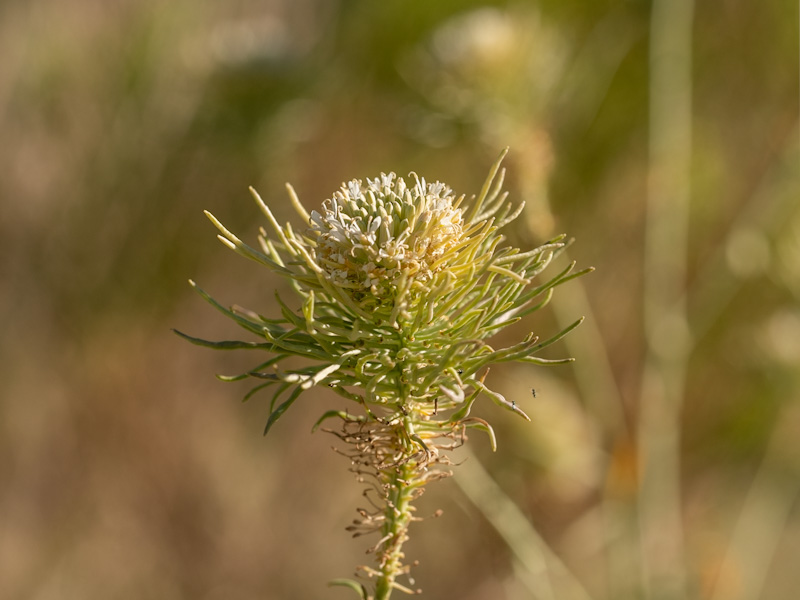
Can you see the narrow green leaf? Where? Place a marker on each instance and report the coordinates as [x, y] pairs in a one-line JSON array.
[[278, 412], [231, 378], [238, 246], [256, 389], [480, 424], [353, 585], [546, 362], [558, 336], [255, 371], [342, 414], [289, 315], [259, 375], [308, 311], [498, 325], [580, 273], [500, 400], [476, 208], [226, 345], [246, 323], [281, 389], [551, 283], [463, 412], [544, 302]]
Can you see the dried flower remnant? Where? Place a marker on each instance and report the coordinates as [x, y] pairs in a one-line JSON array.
[[400, 284]]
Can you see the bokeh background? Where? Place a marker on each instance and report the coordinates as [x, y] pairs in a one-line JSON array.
[[665, 463]]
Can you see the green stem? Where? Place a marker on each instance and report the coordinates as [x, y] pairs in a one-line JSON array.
[[398, 516], [669, 339]]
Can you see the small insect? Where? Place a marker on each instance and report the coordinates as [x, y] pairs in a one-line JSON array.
[[513, 405], [533, 391], [460, 371]]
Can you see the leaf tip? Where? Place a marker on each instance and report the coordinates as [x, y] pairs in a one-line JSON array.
[[256, 196], [353, 585]]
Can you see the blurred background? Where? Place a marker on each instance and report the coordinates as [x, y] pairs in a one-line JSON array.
[[664, 463]]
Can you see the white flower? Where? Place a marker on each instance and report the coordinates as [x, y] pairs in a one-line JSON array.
[[367, 237]]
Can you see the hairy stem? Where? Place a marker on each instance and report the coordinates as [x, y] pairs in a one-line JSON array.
[[400, 493]]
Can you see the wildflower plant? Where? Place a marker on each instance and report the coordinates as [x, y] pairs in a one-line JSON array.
[[400, 285]]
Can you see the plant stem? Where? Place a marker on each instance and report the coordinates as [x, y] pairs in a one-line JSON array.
[[665, 319], [398, 511]]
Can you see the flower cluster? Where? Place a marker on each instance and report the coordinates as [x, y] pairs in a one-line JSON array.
[[401, 286], [366, 239]]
